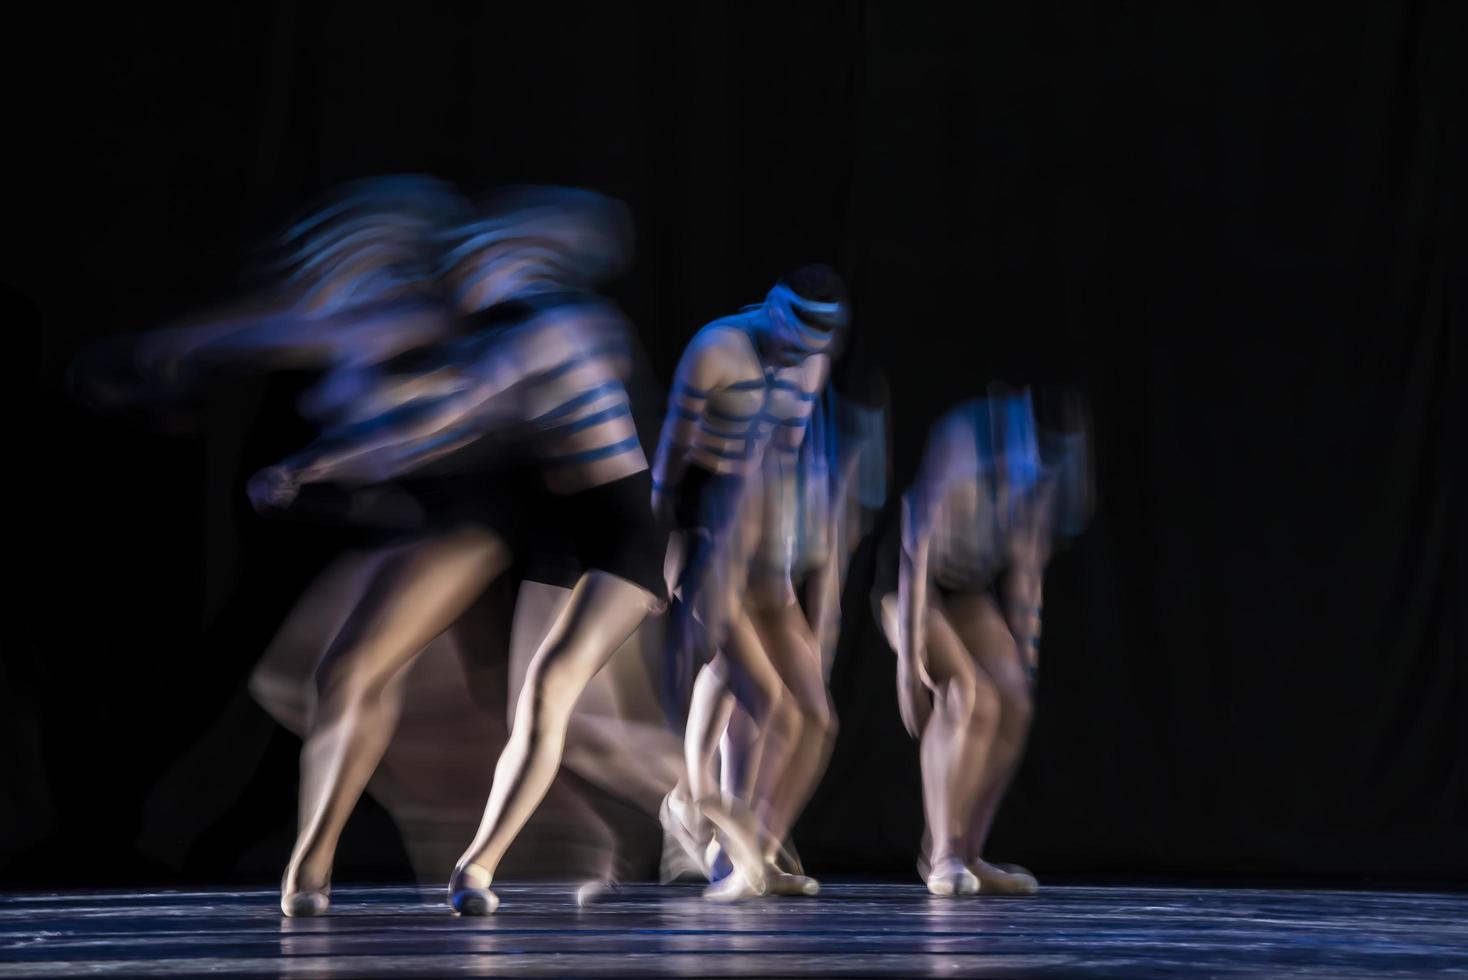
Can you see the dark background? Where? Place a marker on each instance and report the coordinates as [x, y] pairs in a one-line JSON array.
[[1236, 229]]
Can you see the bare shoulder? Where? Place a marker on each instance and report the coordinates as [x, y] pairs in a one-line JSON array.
[[719, 353], [814, 372], [726, 336], [597, 322]]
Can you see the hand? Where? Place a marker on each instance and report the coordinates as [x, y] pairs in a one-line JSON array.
[[914, 702], [274, 488]]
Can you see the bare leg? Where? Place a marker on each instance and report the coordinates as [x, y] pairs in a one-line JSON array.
[[709, 713], [953, 747], [600, 616], [763, 697], [784, 792], [414, 596], [281, 682], [741, 739], [712, 612], [681, 812], [979, 621], [615, 741], [633, 760], [751, 681]]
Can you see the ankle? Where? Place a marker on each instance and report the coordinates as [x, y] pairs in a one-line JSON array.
[[472, 875], [306, 876], [944, 851]]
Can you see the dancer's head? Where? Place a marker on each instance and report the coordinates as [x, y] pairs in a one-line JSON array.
[[366, 240], [535, 239], [807, 313]]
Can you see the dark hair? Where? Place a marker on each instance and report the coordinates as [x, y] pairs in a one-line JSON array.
[[818, 283]]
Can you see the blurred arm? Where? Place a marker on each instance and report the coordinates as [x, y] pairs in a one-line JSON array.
[[271, 335], [701, 371], [408, 437]]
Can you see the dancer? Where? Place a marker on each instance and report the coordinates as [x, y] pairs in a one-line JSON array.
[[738, 415], [542, 373], [958, 592], [812, 516], [353, 290], [408, 385]]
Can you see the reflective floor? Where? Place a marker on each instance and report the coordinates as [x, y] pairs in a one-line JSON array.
[[852, 929]]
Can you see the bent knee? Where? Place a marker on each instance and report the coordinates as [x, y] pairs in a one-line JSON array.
[[345, 679], [957, 696], [551, 691]]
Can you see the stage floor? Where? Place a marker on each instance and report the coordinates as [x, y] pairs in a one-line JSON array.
[[852, 929]]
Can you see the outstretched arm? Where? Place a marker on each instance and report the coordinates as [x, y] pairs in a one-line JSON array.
[[400, 440], [273, 335]]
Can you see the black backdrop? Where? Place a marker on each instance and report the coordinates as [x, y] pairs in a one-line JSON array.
[[1234, 229]]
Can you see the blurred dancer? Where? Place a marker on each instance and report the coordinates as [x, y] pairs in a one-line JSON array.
[[540, 378], [443, 404], [352, 289], [958, 590], [350, 285], [737, 418], [812, 514]]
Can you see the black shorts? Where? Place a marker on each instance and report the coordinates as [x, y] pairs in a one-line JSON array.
[[388, 514], [612, 529], [705, 503], [499, 501], [705, 500]]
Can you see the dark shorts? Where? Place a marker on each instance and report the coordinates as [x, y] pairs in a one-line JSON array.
[[611, 528], [499, 501], [554, 539], [704, 500], [388, 514], [704, 505]]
